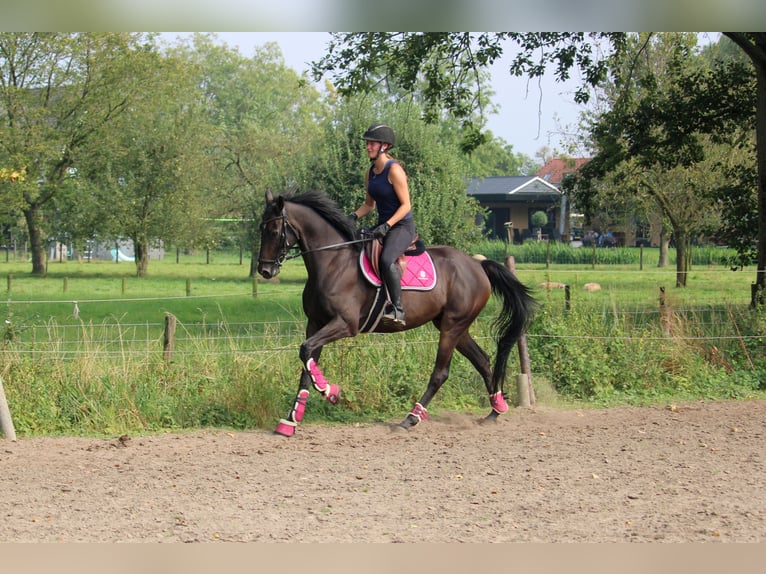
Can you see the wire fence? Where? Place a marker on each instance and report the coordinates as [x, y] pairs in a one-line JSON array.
[[137, 340], [707, 318]]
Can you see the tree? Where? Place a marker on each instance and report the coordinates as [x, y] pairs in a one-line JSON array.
[[430, 154], [495, 157], [152, 173], [655, 134], [753, 44], [445, 69], [58, 91], [267, 120], [445, 63]]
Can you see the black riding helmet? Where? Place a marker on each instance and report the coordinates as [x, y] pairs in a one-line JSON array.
[[380, 133]]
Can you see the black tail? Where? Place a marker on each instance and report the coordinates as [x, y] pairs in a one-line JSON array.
[[509, 326]]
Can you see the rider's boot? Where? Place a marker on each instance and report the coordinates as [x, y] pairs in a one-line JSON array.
[[392, 277]]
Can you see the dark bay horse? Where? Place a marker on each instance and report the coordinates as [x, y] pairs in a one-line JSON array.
[[337, 299]]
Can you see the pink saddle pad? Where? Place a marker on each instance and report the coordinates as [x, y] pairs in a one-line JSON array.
[[420, 274]]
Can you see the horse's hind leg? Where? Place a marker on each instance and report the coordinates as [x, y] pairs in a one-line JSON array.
[[471, 350], [438, 376]]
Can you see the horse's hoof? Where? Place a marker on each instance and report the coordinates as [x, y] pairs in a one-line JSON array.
[[285, 428], [491, 418], [409, 422]]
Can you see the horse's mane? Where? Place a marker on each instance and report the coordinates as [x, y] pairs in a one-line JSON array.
[[325, 207]]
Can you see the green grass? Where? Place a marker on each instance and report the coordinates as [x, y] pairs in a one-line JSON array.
[[235, 362]]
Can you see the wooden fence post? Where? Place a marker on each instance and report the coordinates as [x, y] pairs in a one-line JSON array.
[[510, 263], [10, 282], [6, 423], [169, 340], [523, 386], [188, 286], [665, 314]]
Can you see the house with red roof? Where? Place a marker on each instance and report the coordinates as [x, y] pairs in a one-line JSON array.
[[511, 201]]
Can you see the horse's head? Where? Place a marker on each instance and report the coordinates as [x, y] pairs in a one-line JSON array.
[[277, 237]]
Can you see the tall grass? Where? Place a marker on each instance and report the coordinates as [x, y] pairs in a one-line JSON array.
[[235, 362]]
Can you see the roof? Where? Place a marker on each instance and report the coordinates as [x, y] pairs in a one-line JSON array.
[[555, 170], [522, 187]]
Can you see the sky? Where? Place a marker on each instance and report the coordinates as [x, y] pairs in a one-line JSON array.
[[531, 114]]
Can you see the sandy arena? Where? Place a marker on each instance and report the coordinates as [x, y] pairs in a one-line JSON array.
[[691, 473]]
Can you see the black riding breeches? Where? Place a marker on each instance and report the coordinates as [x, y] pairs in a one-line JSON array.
[[396, 242]]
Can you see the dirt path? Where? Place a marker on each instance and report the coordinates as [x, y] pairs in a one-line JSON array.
[[692, 473]]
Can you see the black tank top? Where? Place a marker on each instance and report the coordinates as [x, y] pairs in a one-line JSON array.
[[381, 190]]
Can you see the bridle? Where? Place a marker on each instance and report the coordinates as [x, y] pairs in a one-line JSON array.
[[286, 245]]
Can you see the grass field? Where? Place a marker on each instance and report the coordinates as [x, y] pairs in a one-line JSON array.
[[83, 347]]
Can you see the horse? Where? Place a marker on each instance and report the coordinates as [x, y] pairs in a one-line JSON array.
[[340, 302]]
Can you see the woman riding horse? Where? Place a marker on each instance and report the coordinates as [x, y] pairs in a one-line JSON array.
[[339, 301], [387, 190]]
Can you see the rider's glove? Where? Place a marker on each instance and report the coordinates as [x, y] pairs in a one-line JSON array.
[[380, 231]]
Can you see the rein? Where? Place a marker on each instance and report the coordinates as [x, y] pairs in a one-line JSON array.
[[326, 247]]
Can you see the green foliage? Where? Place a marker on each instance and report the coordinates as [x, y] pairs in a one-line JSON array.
[[447, 69], [235, 361], [539, 219], [60, 91], [606, 356], [436, 172], [555, 253], [670, 135]]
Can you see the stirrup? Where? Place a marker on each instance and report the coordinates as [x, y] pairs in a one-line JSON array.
[[395, 317]]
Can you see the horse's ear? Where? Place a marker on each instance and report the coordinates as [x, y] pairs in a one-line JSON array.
[[269, 196]]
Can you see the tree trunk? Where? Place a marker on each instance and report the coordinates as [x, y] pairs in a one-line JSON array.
[[682, 257], [253, 263], [141, 247], [760, 144], [36, 242], [664, 247]]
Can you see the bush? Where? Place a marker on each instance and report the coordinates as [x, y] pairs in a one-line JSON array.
[[539, 219]]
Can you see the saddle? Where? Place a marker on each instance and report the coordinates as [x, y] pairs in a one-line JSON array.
[[418, 271]]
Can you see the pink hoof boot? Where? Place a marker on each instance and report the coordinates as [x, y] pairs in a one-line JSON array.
[[333, 394], [419, 412], [317, 376], [330, 392], [497, 402], [296, 415], [285, 428]]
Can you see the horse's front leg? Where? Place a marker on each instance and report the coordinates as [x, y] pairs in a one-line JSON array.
[[311, 374], [287, 426]]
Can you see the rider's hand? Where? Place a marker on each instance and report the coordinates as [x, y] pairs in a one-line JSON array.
[[380, 231]]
